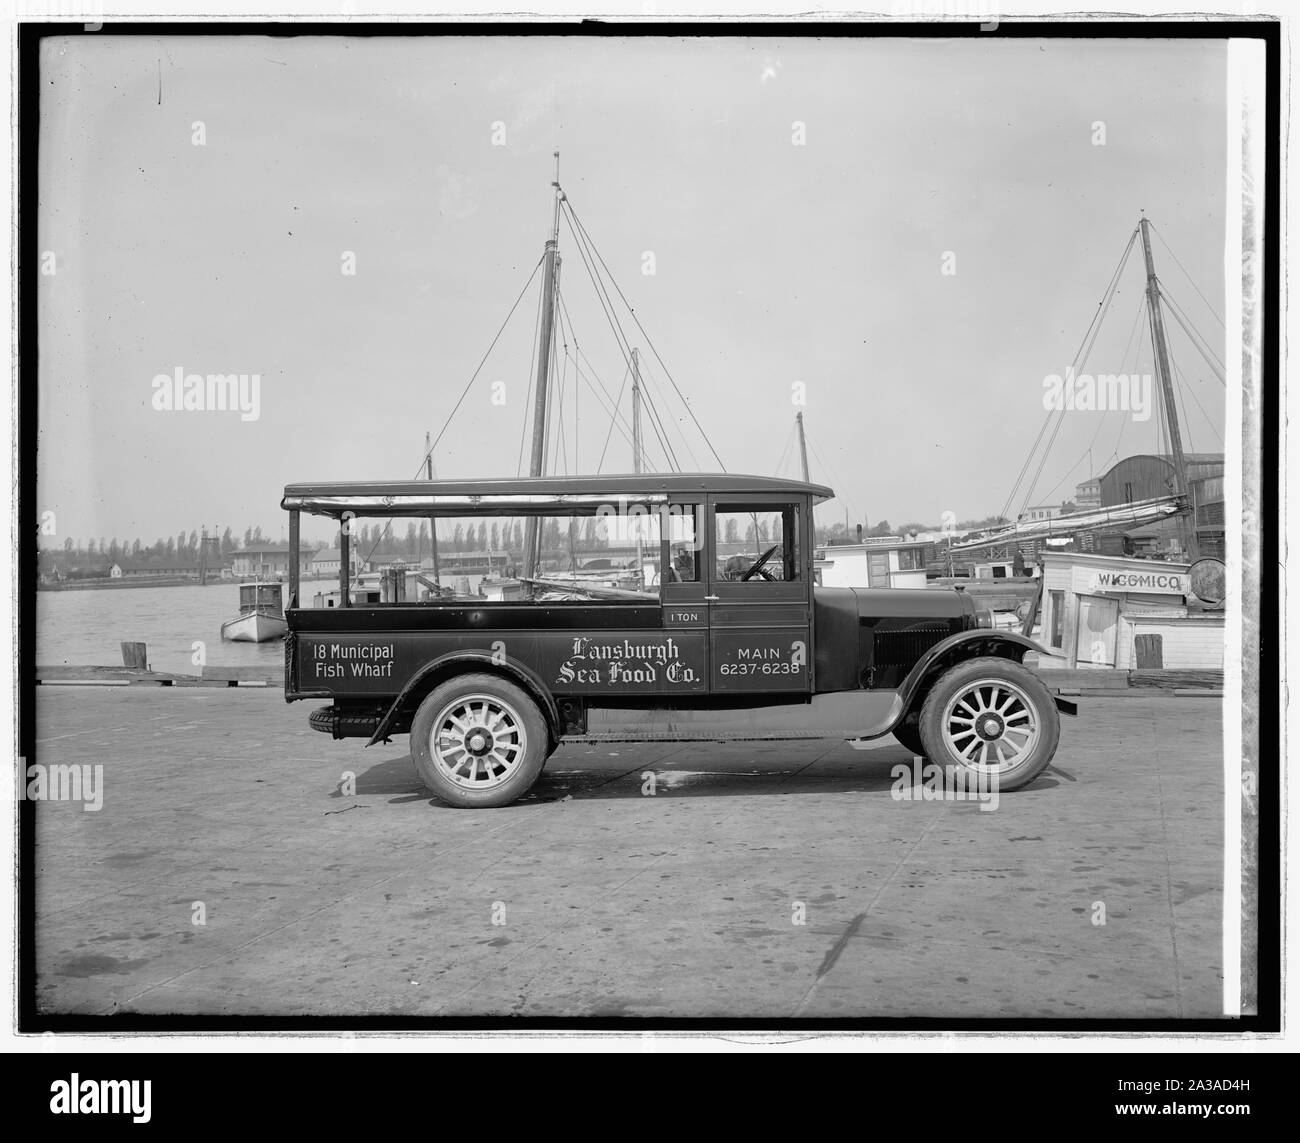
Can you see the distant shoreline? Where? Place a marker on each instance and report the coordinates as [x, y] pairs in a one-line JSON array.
[[156, 581]]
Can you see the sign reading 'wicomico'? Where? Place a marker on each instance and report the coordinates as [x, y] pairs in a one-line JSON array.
[[1152, 582]]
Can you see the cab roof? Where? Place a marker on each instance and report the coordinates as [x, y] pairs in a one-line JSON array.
[[522, 494]]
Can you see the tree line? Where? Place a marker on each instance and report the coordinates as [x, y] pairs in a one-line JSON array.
[[182, 548]]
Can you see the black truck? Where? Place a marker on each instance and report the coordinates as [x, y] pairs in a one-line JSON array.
[[679, 598]]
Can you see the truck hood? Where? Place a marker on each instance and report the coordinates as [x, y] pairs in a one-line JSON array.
[[912, 603]]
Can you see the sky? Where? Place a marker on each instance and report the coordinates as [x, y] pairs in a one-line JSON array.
[[911, 235]]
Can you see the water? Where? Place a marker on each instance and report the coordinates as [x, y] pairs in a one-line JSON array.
[[87, 627]]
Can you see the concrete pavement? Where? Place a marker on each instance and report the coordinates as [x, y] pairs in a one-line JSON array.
[[230, 871]]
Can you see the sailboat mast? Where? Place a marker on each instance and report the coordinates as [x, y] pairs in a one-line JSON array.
[[636, 454], [803, 447], [1167, 388], [433, 520], [636, 411], [550, 272]]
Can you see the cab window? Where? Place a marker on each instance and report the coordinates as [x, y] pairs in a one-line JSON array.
[[679, 526], [756, 543]]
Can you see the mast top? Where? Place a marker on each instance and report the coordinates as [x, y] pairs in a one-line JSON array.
[[559, 197]]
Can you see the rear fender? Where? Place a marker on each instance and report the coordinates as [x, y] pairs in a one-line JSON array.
[[459, 662]]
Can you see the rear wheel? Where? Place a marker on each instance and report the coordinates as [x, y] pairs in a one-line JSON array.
[[993, 719], [478, 740]]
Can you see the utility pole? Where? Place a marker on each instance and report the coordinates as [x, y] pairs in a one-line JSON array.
[[803, 452], [1188, 528], [550, 275], [433, 519]]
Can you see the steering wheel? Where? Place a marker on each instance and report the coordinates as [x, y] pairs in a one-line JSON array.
[[756, 568]]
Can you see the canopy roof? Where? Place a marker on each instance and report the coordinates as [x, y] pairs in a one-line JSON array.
[[524, 495]]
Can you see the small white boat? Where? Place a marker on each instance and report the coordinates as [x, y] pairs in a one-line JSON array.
[[261, 615]]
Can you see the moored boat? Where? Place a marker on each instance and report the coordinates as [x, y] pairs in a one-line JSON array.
[[261, 615]]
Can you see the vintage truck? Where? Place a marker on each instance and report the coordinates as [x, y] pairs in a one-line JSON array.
[[704, 612]]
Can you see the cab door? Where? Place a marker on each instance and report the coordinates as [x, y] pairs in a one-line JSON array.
[[759, 598], [679, 574]]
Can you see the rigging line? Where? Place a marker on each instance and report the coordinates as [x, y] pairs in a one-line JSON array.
[[464, 393], [1067, 473], [648, 374], [627, 361], [1199, 342], [1024, 467], [835, 476], [1185, 391], [656, 422], [476, 372], [1103, 307], [789, 440], [606, 304], [656, 427], [1192, 393], [1210, 357], [1123, 421], [1177, 387], [528, 394], [602, 394], [1033, 449], [650, 342], [557, 450], [1162, 440], [598, 387], [1132, 334], [1101, 421], [617, 404], [603, 399], [564, 341], [1187, 276], [1190, 325]]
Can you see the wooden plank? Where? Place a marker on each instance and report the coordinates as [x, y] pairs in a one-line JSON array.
[[1076, 679], [135, 655], [235, 676], [76, 673], [1149, 650], [1186, 678]]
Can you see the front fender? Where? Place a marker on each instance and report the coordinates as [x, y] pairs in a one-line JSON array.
[[970, 644], [495, 663], [975, 643]]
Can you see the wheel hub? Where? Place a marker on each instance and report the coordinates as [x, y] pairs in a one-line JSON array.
[[478, 741], [989, 727]]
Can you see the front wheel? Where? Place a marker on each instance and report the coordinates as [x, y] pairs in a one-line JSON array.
[[992, 718], [478, 740]]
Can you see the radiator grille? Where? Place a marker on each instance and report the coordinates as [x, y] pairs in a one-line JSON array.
[[903, 648]]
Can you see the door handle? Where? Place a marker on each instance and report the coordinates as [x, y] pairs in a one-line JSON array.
[[712, 598]]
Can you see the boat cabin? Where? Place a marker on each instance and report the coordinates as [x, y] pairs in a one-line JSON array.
[[261, 597]]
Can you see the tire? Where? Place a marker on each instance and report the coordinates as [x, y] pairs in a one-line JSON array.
[[479, 741], [1013, 744]]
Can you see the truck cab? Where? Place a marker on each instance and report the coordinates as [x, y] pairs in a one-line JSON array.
[[546, 601]]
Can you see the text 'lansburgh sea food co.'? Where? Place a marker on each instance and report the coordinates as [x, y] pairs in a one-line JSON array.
[[365, 660], [624, 661]]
